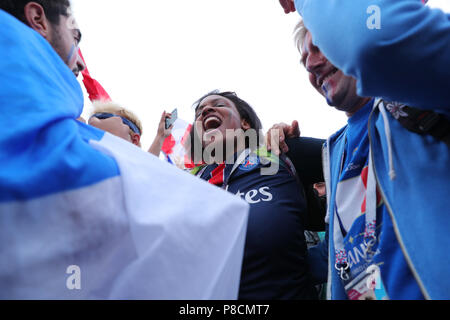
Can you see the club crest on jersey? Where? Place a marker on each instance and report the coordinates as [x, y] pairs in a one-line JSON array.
[[250, 163]]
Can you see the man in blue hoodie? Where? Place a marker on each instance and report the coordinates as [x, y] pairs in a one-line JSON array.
[[387, 186]]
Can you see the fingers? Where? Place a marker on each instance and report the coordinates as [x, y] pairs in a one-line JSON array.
[[295, 131], [320, 188], [288, 6], [268, 141], [162, 121], [168, 131], [282, 149], [277, 135], [162, 131], [275, 138], [284, 4], [165, 115], [269, 138], [292, 6]]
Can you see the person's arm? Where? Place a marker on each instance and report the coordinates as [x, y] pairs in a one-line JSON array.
[[305, 153], [406, 60], [318, 260], [316, 210], [161, 135], [306, 156]]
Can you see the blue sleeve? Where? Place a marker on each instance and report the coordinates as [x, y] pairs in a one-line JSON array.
[[275, 254], [406, 60], [318, 260]]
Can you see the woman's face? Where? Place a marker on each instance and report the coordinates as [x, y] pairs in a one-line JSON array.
[[214, 116]]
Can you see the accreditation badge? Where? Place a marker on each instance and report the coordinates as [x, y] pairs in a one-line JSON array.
[[367, 285]]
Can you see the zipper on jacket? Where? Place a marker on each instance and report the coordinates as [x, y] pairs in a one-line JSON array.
[[327, 176]]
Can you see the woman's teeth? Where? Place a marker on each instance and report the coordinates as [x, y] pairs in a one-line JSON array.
[[211, 123]]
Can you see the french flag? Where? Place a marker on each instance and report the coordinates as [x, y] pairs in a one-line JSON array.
[[93, 87], [73, 197], [174, 148]]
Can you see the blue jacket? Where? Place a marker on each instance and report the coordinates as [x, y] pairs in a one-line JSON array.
[[275, 254], [406, 60]]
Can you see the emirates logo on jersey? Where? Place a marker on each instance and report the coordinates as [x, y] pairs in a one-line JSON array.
[[256, 196]]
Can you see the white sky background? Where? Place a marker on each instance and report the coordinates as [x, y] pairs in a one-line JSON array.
[[152, 56]]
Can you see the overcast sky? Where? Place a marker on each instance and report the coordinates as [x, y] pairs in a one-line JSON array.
[[152, 56]]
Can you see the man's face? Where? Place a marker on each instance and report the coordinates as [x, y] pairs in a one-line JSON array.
[[65, 38], [338, 89]]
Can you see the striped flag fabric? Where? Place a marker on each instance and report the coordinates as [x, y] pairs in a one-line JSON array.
[[173, 147], [93, 87], [87, 215]]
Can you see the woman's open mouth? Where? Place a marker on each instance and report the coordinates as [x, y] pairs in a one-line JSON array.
[[211, 123]]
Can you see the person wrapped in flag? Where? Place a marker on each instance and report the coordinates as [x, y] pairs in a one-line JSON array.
[[83, 213], [275, 254]]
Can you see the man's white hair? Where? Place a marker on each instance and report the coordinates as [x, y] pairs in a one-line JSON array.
[[299, 34]]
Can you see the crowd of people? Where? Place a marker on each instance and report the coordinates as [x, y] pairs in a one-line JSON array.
[[361, 215]]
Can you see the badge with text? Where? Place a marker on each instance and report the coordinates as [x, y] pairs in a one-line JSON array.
[[367, 285]]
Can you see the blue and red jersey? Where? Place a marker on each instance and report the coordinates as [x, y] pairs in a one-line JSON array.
[[275, 254]]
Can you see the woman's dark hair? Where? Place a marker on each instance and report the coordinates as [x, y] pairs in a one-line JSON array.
[[53, 8], [246, 113]]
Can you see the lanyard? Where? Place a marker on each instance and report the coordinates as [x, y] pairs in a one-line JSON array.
[[341, 260], [240, 160]]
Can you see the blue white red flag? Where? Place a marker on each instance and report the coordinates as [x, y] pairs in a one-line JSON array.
[[74, 198], [174, 145], [93, 87]]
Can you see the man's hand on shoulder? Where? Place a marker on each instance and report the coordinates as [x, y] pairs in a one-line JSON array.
[[277, 135]]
